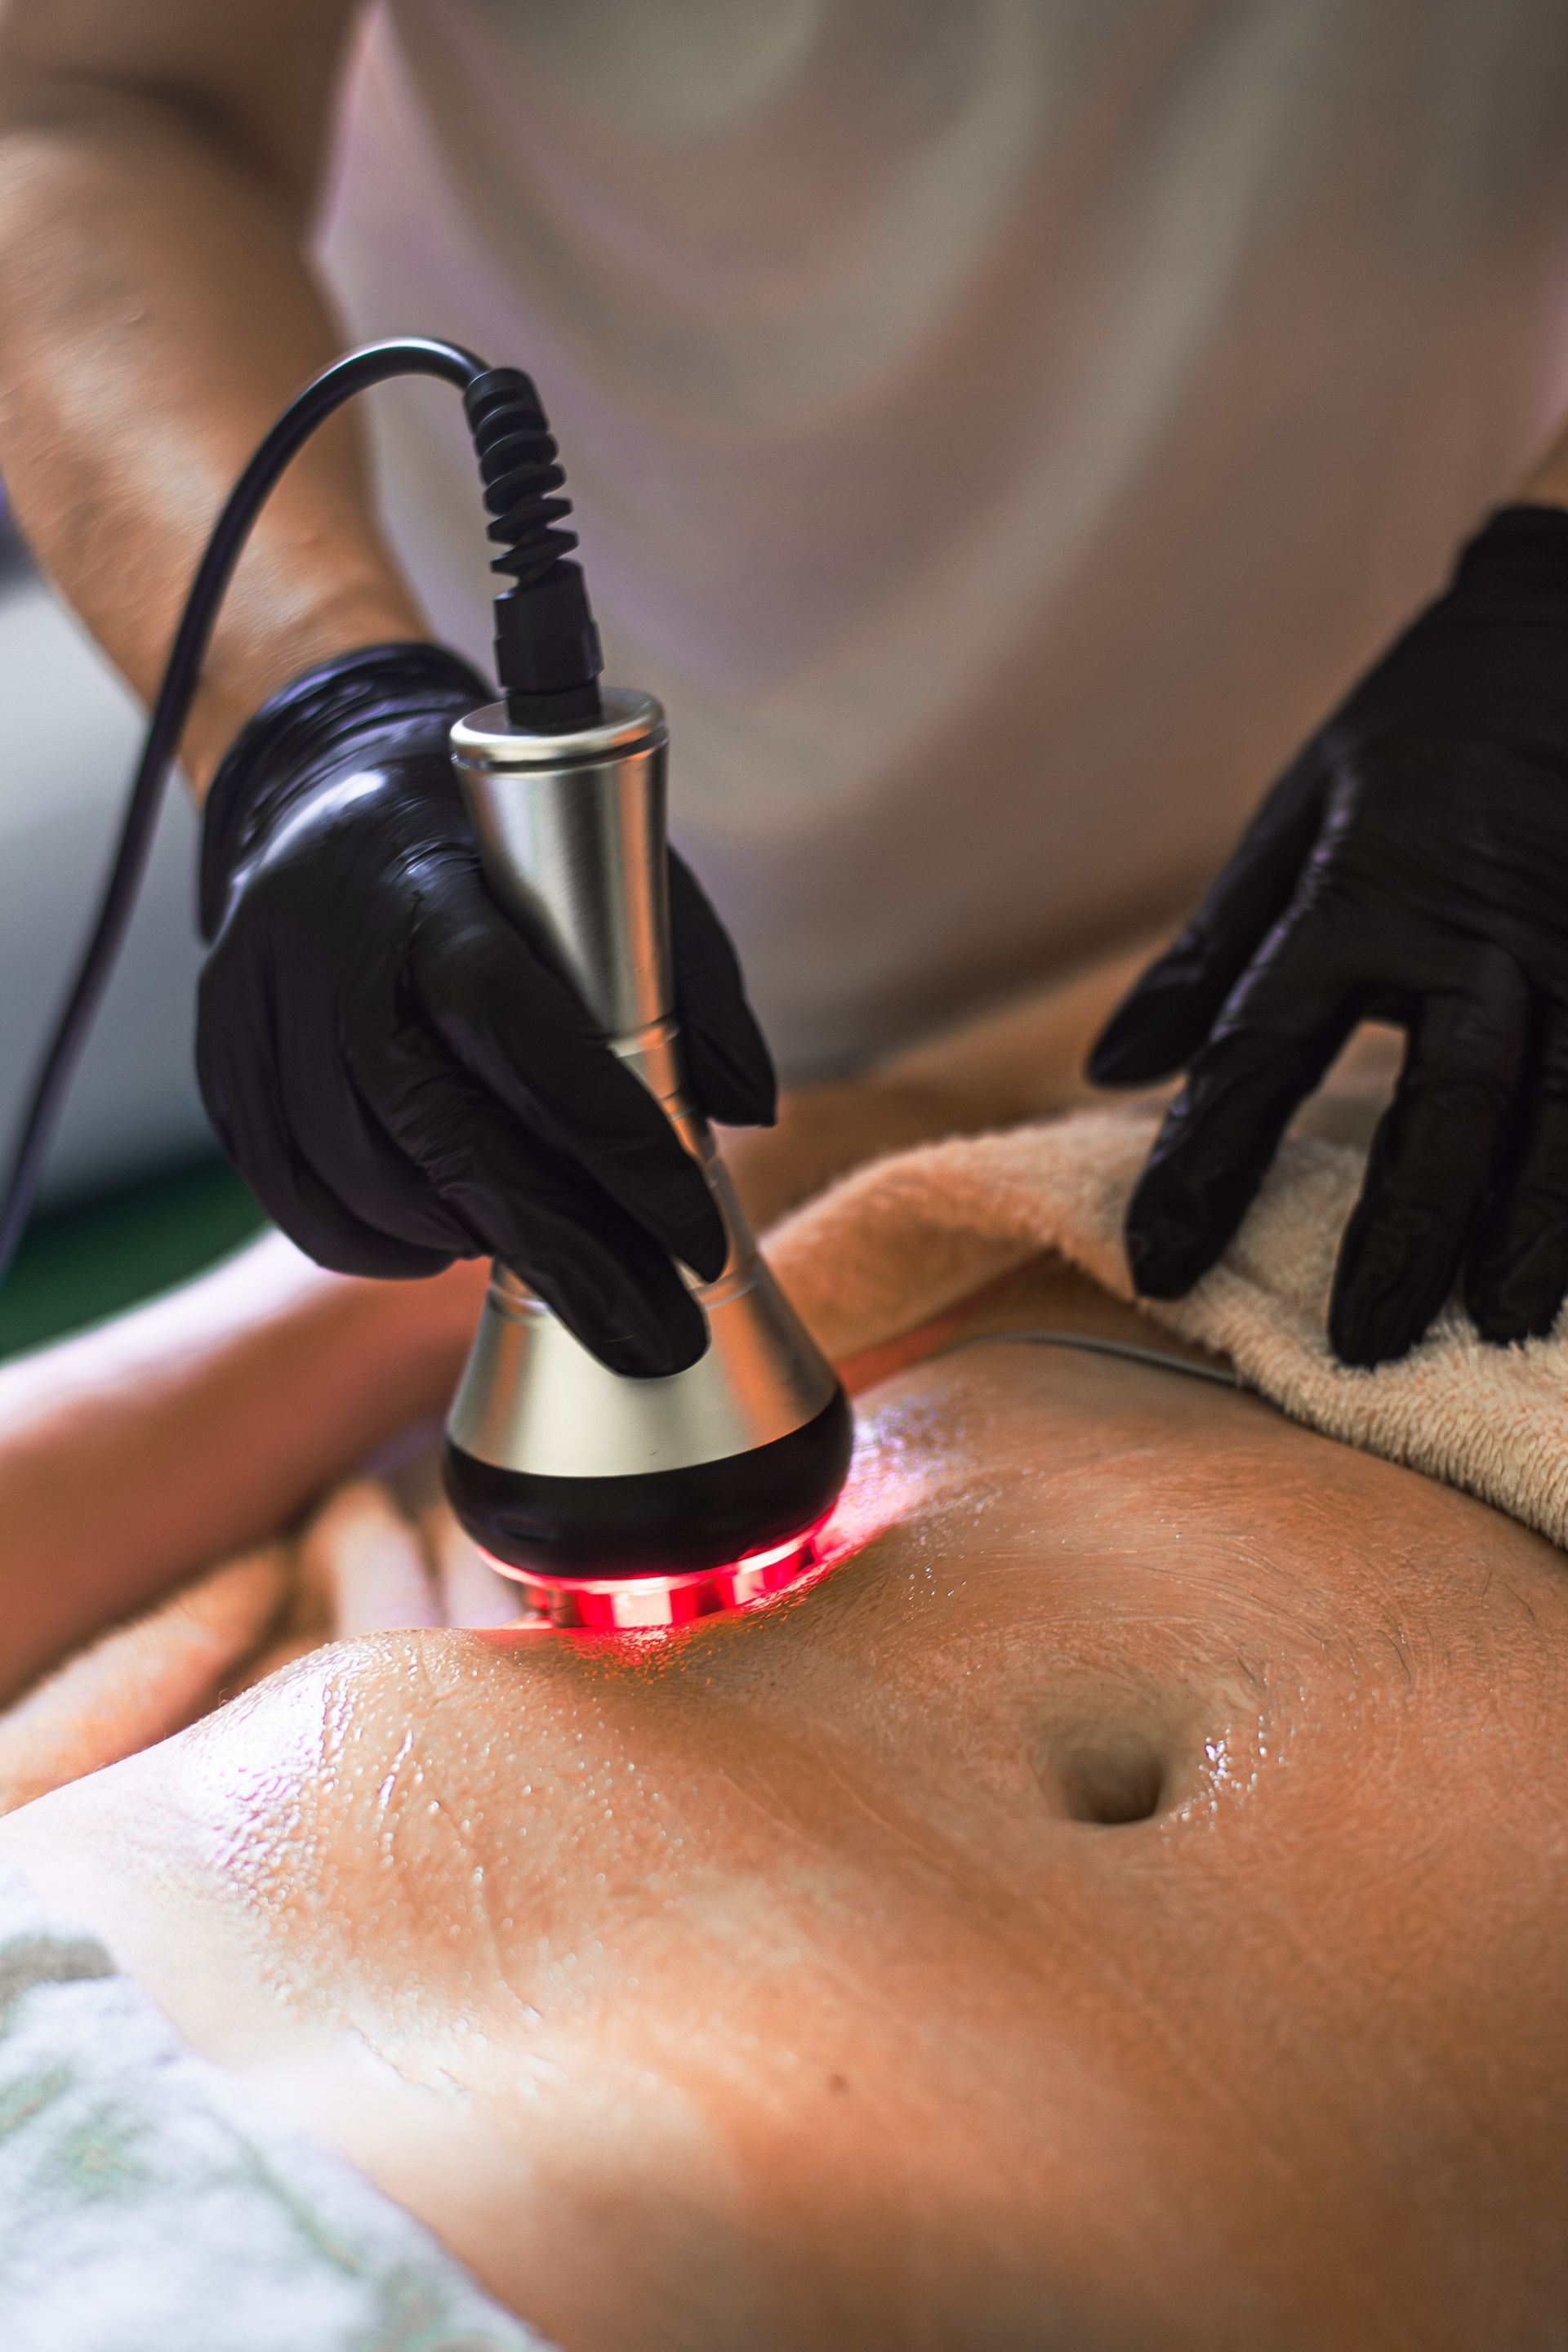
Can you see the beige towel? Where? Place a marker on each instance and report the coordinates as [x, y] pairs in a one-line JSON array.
[[140, 1680], [896, 1243]]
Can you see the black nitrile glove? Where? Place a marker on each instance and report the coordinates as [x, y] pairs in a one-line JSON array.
[[1412, 866], [397, 1072]]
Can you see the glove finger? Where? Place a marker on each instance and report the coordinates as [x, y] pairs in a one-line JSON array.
[[610, 1282], [332, 1126], [1432, 1158], [727, 1058], [1287, 1021], [248, 1121], [518, 1030], [1164, 1017], [1516, 1275]]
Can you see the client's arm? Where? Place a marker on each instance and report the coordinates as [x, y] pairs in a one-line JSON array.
[[138, 1453], [373, 1559]]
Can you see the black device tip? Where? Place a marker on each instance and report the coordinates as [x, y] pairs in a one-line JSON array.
[[655, 1522]]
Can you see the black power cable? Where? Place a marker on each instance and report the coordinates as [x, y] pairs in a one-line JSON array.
[[546, 640]]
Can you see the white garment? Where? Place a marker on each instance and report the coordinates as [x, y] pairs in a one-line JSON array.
[[999, 428]]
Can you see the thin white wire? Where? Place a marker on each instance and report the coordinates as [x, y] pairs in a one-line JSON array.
[[1097, 1346]]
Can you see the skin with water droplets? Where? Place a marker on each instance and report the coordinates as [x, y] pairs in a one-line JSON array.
[[785, 1978]]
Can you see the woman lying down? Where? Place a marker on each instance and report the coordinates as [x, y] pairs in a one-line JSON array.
[[1121, 1904]]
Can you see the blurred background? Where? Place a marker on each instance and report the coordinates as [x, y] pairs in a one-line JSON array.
[[136, 1194]]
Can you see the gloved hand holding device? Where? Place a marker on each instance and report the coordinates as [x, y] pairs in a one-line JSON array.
[[400, 1075], [1412, 866]]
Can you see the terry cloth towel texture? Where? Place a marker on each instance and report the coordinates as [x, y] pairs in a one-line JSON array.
[[149, 2203], [901, 1240]]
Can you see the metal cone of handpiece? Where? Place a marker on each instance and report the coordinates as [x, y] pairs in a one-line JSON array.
[[556, 1466]]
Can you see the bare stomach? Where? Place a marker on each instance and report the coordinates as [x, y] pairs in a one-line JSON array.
[[1123, 1902]]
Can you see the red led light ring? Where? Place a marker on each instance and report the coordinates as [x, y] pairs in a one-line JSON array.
[[651, 1603]]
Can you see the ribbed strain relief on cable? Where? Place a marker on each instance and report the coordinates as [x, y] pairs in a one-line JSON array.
[[547, 647]]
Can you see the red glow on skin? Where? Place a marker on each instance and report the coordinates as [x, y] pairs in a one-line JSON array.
[[654, 1603]]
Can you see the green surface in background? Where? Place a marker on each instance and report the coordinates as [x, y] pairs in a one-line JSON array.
[[83, 1263]]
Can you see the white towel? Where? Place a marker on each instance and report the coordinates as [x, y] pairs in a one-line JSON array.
[[151, 2202]]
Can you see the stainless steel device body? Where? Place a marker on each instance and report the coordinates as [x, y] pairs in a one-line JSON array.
[[571, 830]]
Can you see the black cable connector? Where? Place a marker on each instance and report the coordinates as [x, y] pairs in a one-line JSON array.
[[547, 651], [547, 647]]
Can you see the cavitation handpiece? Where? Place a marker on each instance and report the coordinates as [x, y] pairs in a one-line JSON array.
[[614, 1500]]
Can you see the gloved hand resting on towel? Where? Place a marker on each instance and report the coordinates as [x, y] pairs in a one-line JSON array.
[[1410, 867]]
